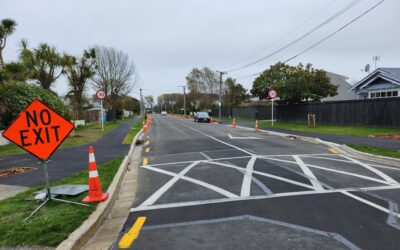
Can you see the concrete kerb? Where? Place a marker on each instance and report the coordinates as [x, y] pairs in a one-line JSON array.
[[81, 235], [338, 147]]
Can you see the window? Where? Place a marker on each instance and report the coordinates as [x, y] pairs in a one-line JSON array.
[[372, 95], [383, 94], [389, 94], [395, 93], [378, 95]]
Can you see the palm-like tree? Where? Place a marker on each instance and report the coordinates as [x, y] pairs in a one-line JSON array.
[[7, 27], [78, 72], [44, 64]]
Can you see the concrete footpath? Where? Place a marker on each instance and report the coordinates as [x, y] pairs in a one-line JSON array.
[[339, 139], [108, 231]]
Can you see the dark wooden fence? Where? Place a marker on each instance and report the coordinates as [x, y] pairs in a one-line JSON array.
[[374, 112], [383, 112]]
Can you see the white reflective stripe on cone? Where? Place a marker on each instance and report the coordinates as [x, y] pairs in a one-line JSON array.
[[91, 158], [93, 174]]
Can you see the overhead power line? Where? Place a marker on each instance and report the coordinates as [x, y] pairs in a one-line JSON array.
[[286, 34], [325, 38], [322, 24]]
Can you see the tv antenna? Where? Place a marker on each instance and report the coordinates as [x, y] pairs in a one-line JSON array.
[[376, 59]]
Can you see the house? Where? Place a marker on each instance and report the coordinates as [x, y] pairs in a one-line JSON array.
[[343, 87], [381, 83]]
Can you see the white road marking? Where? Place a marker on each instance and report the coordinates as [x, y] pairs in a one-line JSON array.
[[155, 196], [185, 162], [244, 138], [383, 209], [310, 175], [218, 140], [376, 171], [205, 156], [259, 197], [246, 184], [195, 181], [332, 170], [267, 175], [341, 160]]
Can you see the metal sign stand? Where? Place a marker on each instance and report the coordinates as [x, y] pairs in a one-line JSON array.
[[272, 112], [102, 118], [48, 195]]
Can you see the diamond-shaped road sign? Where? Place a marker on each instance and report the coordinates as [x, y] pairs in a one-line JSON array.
[[39, 130]]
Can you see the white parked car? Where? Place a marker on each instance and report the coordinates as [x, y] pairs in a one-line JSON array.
[[163, 113]]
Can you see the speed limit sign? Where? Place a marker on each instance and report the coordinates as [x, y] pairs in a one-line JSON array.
[[101, 94], [272, 93]]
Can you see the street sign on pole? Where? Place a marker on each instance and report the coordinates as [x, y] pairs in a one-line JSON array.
[[101, 94], [272, 94], [39, 130]]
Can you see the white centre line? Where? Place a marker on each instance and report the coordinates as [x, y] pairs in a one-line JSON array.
[[218, 140], [317, 185]]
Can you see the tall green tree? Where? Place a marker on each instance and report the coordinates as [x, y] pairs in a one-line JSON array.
[[294, 84], [203, 85], [78, 72], [7, 27], [149, 101], [234, 93], [44, 63]]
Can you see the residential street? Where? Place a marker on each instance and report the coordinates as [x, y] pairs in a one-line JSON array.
[[204, 186], [67, 161]]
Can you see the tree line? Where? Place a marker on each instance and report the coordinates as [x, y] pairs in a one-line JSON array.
[[295, 84], [204, 89], [37, 69]]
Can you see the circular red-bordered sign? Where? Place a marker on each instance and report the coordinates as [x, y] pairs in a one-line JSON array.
[[272, 93], [101, 94]]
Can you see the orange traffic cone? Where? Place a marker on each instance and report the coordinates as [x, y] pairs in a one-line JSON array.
[[144, 128], [95, 193], [233, 123], [211, 120], [256, 128]]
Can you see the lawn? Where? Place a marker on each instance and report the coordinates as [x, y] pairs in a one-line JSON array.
[[133, 131], [377, 150], [322, 128], [56, 220], [83, 135]]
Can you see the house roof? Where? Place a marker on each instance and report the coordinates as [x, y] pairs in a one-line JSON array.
[[343, 86], [390, 74]]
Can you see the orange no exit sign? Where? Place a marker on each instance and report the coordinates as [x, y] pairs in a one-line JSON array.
[[39, 130]]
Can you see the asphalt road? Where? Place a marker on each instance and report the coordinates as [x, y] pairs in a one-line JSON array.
[[67, 161], [205, 186]]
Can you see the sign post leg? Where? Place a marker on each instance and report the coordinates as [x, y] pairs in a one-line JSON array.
[[102, 118], [272, 112], [48, 195], [46, 178]]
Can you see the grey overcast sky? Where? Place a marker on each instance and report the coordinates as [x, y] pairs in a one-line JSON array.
[[167, 38]]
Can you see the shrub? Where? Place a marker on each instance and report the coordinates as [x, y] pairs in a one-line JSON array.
[[15, 96]]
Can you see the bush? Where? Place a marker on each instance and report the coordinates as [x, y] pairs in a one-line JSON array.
[[15, 96]]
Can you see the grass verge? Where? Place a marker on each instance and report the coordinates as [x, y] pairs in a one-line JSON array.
[[84, 134], [377, 150], [132, 132], [323, 128], [56, 220]]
